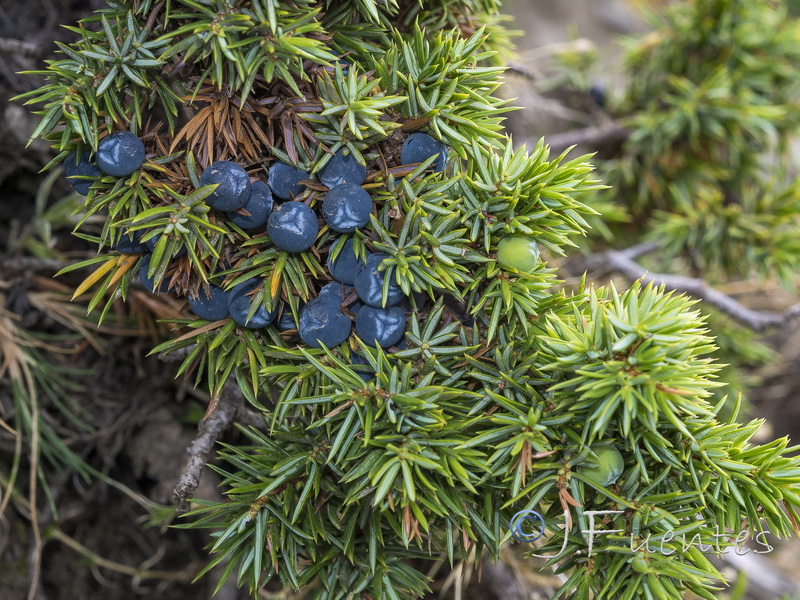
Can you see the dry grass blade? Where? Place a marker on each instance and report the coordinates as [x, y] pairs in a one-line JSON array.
[[17, 363], [69, 315], [14, 359]]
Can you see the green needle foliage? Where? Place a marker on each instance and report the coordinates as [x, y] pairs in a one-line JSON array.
[[372, 460]]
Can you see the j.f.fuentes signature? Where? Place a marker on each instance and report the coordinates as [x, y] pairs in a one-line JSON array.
[[531, 515]]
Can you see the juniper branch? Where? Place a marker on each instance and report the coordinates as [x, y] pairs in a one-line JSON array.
[[229, 403], [624, 263]]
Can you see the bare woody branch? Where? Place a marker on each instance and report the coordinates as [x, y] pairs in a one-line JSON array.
[[522, 71], [500, 581], [624, 263], [589, 136], [229, 403]]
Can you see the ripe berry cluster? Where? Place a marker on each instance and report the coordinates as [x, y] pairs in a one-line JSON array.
[[358, 297]]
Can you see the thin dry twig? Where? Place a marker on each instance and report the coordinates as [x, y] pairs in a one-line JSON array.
[[21, 48], [522, 71], [250, 418], [141, 572], [624, 263], [611, 132], [230, 402], [21, 264], [764, 580], [230, 407], [176, 355]]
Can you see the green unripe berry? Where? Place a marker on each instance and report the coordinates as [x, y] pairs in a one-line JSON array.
[[520, 253], [606, 468], [640, 564]]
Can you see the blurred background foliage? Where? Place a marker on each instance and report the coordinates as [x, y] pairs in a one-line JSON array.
[[702, 114]]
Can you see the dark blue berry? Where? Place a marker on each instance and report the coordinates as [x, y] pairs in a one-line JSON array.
[[343, 169], [357, 359], [343, 268], [79, 171], [233, 185], [259, 205], [459, 309], [359, 362], [323, 322], [347, 207], [120, 154], [382, 326], [405, 305], [153, 241], [126, 245], [369, 283], [293, 227], [343, 62], [239, 300], [284, 180], [419, 299], [598, 93], [419, 147], [149, 282], [286, 320], [337, 291], [212, 306]]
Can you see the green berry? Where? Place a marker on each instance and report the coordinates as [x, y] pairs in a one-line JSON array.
[[519, 253], [640, 564], [606, 468]]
